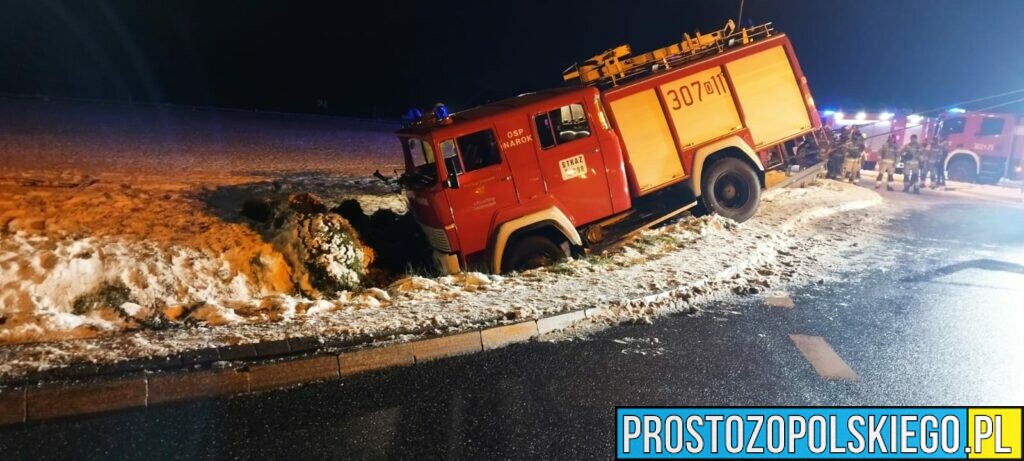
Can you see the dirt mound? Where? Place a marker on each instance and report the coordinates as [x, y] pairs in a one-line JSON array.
[[306, 203], [259, 209]]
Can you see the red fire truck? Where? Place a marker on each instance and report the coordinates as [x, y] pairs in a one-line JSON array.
[[984, 147], [638, 139]]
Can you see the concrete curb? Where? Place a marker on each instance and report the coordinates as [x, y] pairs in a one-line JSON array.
[[12, 407], [82, 398], [376, 358], [558, 322], [98, 395], [493, 338], [447, 346], [291, 372], [168, 387]]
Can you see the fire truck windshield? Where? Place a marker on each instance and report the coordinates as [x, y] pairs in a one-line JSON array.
[[420, 156]]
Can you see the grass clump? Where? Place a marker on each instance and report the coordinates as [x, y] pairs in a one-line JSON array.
[[108, 294]]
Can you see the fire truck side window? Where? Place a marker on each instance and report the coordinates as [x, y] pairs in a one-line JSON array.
[[479, 150], [451, 157], [561, 125], [544, 132], [991, 127]]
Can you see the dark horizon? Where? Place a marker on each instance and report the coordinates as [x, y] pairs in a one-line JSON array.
[[380, 59]]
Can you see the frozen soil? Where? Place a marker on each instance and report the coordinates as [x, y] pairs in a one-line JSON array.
[[103, 261], [116, 218]]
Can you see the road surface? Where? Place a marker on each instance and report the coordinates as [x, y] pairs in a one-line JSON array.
[[940, 327]]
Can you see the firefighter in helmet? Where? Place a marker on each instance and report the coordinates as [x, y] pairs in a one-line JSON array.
[[836, 154], [887, 155], [854, 148], [857, 137], [911, 158], [924, 167], [938, 162], [808, 152]]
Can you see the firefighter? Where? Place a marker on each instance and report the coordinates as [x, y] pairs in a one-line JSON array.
[[854, 148], [808, 152], [911, 158], [928, 163], [859, 143], [939, 163], [836, 154], [924, 162], [857, 137], [851, 162], [887, 155]]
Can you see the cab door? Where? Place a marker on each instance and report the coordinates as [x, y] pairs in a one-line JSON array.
[[482, 185], [571, 161]]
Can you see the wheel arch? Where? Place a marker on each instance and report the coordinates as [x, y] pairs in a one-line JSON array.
[[733, 146], [546, 220]]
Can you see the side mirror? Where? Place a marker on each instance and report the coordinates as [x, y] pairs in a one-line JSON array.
[[453, 181]]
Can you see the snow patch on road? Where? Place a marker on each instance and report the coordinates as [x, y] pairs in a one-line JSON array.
[[641, 346]]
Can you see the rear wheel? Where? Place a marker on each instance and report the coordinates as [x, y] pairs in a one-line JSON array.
[[731, 189], [962, 168], [531, 252]]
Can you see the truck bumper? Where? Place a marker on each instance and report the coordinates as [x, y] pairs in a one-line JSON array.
[[448, 263]]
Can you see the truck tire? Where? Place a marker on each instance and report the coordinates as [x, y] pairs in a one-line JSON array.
[[731, 189], [962, 168], [531, 252]]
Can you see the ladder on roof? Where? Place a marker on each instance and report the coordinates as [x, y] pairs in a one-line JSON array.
[[615, 65]]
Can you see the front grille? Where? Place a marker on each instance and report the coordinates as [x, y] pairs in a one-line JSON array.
[[437, 238]]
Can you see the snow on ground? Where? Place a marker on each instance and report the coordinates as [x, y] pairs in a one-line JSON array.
[[131, 261], [798, 235], [1009, 192], [1005, 191]]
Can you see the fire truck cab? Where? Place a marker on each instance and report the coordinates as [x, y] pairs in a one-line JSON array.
[[502, 171]]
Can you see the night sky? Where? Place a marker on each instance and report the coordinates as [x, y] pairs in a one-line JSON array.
[[384, 56]]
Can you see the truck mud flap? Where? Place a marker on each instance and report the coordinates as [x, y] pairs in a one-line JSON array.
[[779, 178]]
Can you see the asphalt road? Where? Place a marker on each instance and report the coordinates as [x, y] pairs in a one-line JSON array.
[[941, 328]]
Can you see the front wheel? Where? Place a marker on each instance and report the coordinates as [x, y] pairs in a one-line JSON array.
[[731, 189], [531, 252], [962, 168]]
